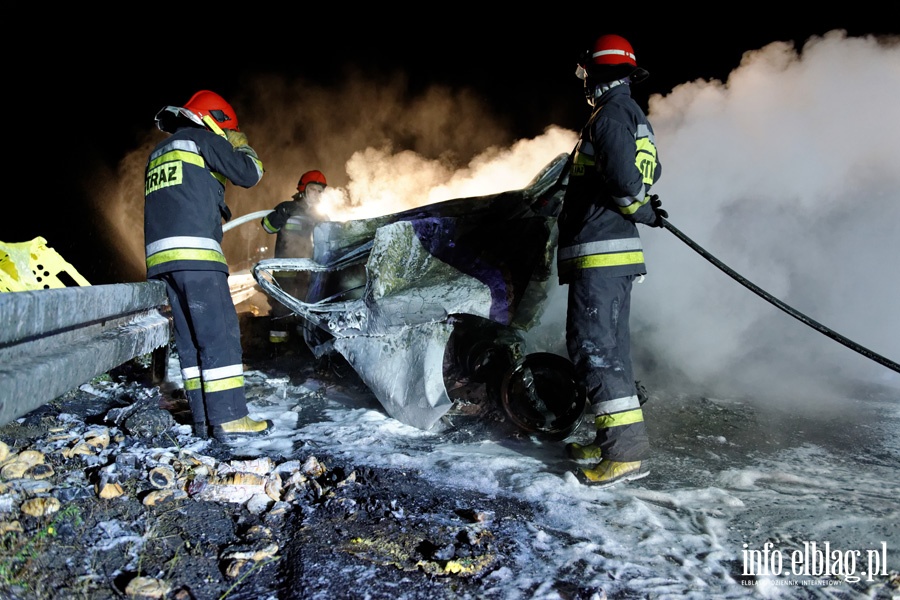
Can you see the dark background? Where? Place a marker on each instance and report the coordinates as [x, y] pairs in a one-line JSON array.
[[87, 86]]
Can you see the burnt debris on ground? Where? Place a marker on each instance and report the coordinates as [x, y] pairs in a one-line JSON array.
[[102, 497]]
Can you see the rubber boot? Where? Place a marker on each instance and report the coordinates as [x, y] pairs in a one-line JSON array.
[[578, 451], [242, 428], [590, 451], [608, 473]]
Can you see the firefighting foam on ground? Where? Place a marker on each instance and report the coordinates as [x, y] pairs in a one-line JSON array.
[[709, 349]]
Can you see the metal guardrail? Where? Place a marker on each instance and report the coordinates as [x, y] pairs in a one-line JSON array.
[[53, 340]]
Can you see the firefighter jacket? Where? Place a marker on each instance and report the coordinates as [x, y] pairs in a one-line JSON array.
[[611, 171], [184, 199], [292, 222]]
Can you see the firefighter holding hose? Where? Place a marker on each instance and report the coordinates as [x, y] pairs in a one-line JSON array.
[[184, 206], [599, 256], [293, 221]]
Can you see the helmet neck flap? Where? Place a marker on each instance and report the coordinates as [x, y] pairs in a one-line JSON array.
[[593, 90]]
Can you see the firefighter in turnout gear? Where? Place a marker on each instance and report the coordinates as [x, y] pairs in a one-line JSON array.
[[600, 255], [293, 221], [184, 206]]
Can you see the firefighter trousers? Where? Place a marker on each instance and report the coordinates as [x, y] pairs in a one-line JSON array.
[[208, 341], [598, 341]]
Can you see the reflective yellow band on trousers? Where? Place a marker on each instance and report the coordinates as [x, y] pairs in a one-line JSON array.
[[223, 378], [603, 260], [220, 385], [624, 418], [185, 254], [192, 384]]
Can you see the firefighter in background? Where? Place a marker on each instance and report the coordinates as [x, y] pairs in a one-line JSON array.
[[184, 206], [293, 220], [599, 256]]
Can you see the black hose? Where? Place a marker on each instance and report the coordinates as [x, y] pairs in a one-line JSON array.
[[769, 298]]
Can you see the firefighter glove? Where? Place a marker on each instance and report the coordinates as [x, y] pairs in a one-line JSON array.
[[659, 212], [247, 150], [237, 138]]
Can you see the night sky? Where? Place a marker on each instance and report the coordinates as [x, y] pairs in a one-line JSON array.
[[89, 92]]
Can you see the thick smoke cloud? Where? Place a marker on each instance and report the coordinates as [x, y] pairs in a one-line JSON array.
[[788, 173]]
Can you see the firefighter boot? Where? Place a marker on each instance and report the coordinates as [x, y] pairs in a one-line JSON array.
[[241, 428], [589, 451], [578, 451], [608, 473]]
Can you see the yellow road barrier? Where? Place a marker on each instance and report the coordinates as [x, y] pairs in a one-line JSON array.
[[33, 265]]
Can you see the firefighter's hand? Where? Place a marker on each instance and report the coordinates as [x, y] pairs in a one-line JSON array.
[[659, 212], [247, 150], [237, 138]]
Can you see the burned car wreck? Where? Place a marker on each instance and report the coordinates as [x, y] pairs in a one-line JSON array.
[[422, 301]]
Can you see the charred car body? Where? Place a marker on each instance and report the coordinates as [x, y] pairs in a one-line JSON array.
[[422, 301]]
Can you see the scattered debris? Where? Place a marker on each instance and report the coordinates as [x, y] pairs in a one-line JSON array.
[[156, 513]]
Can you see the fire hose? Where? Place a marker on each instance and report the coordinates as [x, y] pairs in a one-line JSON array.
[[771, 299], [243, 219]]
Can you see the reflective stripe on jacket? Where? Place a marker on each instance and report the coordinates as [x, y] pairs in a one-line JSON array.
[[184, 196], [612, 169]]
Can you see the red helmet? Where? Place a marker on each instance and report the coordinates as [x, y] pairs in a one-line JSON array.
[[202, 105], [205, 103], [611, 58], [612, 50], [311, 177]]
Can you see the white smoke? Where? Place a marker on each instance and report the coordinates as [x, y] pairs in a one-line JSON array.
[[789, 174], [384, 182]]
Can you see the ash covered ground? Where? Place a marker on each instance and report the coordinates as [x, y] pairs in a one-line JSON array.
[[338, 530]]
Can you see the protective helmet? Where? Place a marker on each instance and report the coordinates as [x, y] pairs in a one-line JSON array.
[[311, 177], [204, 105], [611, 58]]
